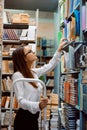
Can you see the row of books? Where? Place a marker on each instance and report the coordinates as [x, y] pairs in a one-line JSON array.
[[7, 66], [45, 46], [51, 108], [69, 23], [51, 113], [52, 105], [25, 34], [73, 59], [69, 90], [67, 7], [5, 118], [10, 34], [5, 102], [69, 116], [52, 102], [16, 17], [54, 120], [71, 28], [6, 84]]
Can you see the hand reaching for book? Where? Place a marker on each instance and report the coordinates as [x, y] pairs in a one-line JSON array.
[[63, 42]]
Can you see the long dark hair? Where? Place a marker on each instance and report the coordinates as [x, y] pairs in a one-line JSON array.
[[19, 63]]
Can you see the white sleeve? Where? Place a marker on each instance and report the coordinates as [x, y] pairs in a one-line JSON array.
[[33, 107], [49, 66]]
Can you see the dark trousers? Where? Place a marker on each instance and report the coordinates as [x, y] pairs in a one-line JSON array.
[[25, 120]]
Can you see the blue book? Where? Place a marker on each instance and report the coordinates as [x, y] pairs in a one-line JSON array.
[[71, 6], [77, 2], [65, 28], [5, 36], [77, 18]]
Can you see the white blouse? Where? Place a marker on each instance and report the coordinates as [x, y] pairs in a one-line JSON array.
[[28, 97]]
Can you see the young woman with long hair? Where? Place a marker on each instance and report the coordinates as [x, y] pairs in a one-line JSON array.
[[28, 94]]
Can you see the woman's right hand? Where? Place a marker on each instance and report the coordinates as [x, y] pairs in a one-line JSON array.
[[43, 103], [63, 42]]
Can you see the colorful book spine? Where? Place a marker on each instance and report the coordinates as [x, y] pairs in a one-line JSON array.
[[86, 14], [83, 17], [71, 6]]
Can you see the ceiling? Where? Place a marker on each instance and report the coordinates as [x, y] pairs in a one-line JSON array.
[[42, 5]]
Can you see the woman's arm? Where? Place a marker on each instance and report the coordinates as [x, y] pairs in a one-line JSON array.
[[49, 66]]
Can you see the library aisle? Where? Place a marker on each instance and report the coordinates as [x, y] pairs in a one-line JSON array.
[[41, 25]]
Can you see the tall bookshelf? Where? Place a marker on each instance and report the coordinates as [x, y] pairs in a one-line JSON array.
[[1, 41], [72, 83], [9, 44]]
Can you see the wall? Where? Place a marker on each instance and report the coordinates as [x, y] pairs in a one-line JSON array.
[[46, 30]]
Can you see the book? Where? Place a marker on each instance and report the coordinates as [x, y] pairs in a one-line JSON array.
[[3, 101], [31, 33], [84, 17], [7, 103], [5, 20], [2, 119], [68, 30], [72, 29], [71, 6], [15, 103], [8, 83], [7, 66], [24, 34], [67, 8], [4, 84], [86, 14], [9, 17], [77, 2], [77, 22], [10, 66]]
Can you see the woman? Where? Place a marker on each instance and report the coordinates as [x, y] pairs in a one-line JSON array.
[[28, 94]]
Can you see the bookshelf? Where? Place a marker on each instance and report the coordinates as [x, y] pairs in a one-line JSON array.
[[12, 38], [45, 51], [6, 74], [1, 39], [72, 83]]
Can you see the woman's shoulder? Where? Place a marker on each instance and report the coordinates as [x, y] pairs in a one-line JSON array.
[[17, 75]]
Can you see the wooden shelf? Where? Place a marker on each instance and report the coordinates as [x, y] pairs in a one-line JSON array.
[[15, 26], [7, 57], [49, 77], [70, 72], [4, 126], [50, 87], [17, 42], [5, 93], [8, 109], [4, 75], [47, 46]]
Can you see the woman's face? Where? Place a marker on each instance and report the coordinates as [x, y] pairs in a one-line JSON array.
[[30, 56]]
